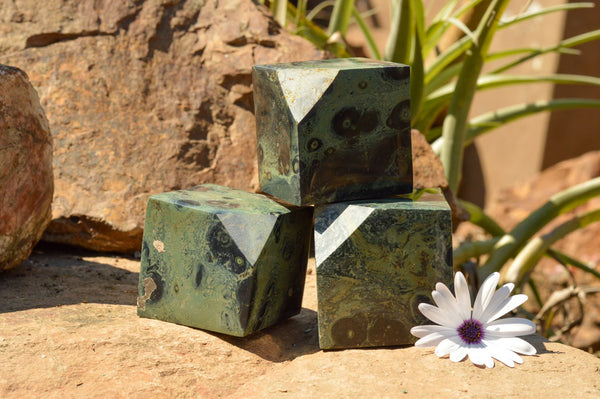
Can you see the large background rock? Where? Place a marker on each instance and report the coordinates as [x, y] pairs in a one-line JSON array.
[[142, 97], [25, 168]]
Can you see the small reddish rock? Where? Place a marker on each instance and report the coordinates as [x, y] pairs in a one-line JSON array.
[[26, 184]]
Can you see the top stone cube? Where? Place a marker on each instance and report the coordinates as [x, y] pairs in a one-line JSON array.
[[333, 130]]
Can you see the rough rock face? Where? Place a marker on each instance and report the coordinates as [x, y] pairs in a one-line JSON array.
[[25, 168], [99, 349], [142, 97]]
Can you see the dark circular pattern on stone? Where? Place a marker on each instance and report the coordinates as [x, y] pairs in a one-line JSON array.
[[199, 274], [224, 250], [349, 331], [387, 332], [260, 154], [186, 203], [400, 115], [158, 280], [297, 165], [314, 144], [350, 122], [395, 73], [283, 161]]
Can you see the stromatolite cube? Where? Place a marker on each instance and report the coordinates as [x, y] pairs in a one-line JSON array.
[[223, 260], [376, 261], [333, 130]]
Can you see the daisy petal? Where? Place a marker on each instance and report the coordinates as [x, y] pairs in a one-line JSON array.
[[445, 292], [514, 344], [459, 354], [506, 306], [478, 354], [421, 331], [463, 298], [502, 354], [445, 347], [438, 316], [447, 306], [485, 294], [430, 340], [510, 327], [495, 303]]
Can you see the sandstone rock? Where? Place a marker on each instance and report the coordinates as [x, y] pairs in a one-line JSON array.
[[428, 171], [99, 349], [142, 97], [25, 168]]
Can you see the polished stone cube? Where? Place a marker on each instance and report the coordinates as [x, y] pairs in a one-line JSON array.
[[376, 260], [223, 260], [333, 130]]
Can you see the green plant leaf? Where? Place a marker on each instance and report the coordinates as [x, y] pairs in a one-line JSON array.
[[340, 18], [525, 16], [440, 98], [318, 8], [371, 45], [398, 47], [457, 49], [492, 120], [509, 245], [279, 10], [455, 122], [567, 260], [519, 270], [567, 43]]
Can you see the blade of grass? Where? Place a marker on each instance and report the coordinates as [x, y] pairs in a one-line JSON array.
[[400, 38], [340, 18], [543, 11], [279, 10], [567, 260], [455, 123], [318, 8], [444, 59], [473, 249], [481, 219], [300, 12], [371, 45], [416, 79], [442, 96], [567, 43], [492, 120], [530, 50]]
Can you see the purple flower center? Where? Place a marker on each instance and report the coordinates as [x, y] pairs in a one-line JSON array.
[[471, 331]]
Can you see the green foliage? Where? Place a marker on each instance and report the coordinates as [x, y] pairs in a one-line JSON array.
[[443, 84]]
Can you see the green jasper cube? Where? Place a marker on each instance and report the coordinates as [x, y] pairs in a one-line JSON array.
[[223, 260], [376, 261], [333, 130]]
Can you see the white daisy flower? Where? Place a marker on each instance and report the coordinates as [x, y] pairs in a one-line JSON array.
[[477, 332]]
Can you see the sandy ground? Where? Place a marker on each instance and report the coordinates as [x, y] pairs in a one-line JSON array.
[[68, 328]]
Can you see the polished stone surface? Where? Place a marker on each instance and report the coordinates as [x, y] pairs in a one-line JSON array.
[[333, 130], [222, 259], [376, 260]]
